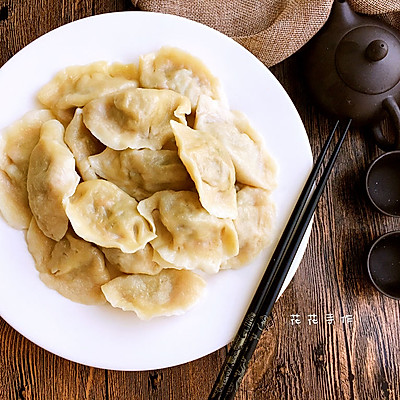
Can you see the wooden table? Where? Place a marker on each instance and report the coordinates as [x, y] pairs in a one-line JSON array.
[[355, 356]]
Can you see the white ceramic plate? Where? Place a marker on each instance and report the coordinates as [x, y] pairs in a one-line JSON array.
[[101, 336]]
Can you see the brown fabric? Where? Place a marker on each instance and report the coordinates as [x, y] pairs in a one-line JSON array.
[[271, 29]]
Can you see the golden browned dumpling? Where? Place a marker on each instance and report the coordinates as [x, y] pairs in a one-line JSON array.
[[175, 69], [140, 173], [16, 145], [170, 292], [82, 145], [72, 266], [254, 224], [139, 262], [135, 118], [253, 165], [188, 237], [102, 213], [211, 168], [51, 180], [77, 85]]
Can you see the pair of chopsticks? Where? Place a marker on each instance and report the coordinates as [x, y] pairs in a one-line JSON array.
[[249, 333]]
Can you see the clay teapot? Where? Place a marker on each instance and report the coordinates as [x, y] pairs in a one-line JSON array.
[[352, 67]]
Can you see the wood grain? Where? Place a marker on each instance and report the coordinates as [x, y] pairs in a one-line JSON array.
[[354, 360]]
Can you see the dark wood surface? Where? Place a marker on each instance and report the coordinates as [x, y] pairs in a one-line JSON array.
[[356, 359]]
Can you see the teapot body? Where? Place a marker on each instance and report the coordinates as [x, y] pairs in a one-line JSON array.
[[348, 69]]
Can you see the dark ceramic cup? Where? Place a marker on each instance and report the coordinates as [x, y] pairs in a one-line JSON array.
[[383, 264], [383, 183]]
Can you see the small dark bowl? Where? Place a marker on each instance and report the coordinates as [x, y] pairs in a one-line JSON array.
[[383, 264], [383, 183]]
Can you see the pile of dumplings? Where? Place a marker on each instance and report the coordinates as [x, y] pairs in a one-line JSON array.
[[135, 181]]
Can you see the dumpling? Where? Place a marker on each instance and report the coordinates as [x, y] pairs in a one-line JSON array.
[[71, 266], [139, 262], [51, 180], [82, 145], [16, 145], [211, 169], [135, 118], [254, 224], [253, 165], [170, 292], [140, 173], [102, 213], [188, 237], [175, 69], [77, 85]]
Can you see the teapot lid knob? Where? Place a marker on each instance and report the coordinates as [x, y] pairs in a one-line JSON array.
[[376, 50]]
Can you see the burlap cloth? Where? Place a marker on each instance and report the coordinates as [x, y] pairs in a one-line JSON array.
[[271, 29]]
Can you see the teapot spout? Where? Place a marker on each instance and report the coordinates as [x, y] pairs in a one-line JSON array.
[[342, 16]]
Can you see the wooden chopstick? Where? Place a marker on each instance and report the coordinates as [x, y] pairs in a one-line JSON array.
[[250, 330]]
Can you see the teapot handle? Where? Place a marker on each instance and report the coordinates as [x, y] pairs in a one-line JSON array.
[[393, 109]]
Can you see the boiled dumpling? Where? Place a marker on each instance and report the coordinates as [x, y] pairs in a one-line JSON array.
[[252, 163], [170, 292], [140, 173], [102, 213], [175, 69], [135, 118], [188, 237], [211, 169], [51, 180], [77, 85], [254, 224], [82, 144], [139, 262], [16, 145], [71, 266], [160, 133]]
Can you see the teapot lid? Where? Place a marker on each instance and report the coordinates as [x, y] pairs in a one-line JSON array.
[[366, 59]]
